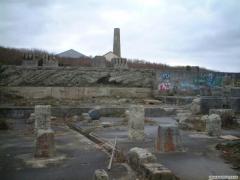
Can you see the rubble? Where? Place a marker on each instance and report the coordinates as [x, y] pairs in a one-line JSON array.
[[145, 164], [31, 119], [155, 171], [75, 118], [195, 106], [85, 117], [106, 124], [227, 116], [213, 125], [100, 174], [138, 156]]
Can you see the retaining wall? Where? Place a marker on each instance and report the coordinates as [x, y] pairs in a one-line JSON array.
[[76, 93]]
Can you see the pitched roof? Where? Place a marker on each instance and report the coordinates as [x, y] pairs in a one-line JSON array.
[[110, 52], [71, 53]]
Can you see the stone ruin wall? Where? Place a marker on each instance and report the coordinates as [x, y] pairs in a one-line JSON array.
[[217, 90], [78, 82], [76, 77], [187, 83]]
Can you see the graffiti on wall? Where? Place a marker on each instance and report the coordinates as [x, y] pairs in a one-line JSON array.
[[185, 85], [177, 83], [209, 79], [164, 84], [165, 76]]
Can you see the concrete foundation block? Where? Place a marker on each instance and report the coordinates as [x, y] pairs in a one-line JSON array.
[[235, 92], [85, 116], [156, 171], [235, 104], [213, 125], [42, 117], [183, 116], [195, 106], [138, 156], [208, 103], [227, 116], [45, 147], [100, 174], [136, 122], [168, 139]]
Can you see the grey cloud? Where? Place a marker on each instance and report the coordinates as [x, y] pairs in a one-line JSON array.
[[205, 33]]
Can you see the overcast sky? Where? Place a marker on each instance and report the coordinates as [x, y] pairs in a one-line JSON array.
[[205, 33]]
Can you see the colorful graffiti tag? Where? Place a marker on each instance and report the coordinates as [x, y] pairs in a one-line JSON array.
[[209, 79], [184, 85], [165, 76], [165, 84]]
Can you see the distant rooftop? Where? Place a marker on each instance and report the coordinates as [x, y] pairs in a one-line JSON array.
[[71, 53]]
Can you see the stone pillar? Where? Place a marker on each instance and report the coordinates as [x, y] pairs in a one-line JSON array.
[[42, 117], [44, 134], [195, 106], [45, 146], [213, 125], [168, 138], [136, 122], [116, 42]]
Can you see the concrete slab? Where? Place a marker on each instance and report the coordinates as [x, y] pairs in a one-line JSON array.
[[76, 156], [198, 160]]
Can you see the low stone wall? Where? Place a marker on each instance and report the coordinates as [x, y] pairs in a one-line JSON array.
[[208, 103], [235, 104], [62, 111], [178, 100], [235, 92], [76, 93]]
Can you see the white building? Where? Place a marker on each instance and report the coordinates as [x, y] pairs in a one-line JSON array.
[[110, 55]]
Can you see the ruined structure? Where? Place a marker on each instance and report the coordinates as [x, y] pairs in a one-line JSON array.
[[49, 61], [44, 134], [213, 125], [106, 101], [226, 115], [168, 138], [29, 60], [145, 163], [119, 63], [34, 60], [42, 117], [99, 61], [73, 91], [136, 122]]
